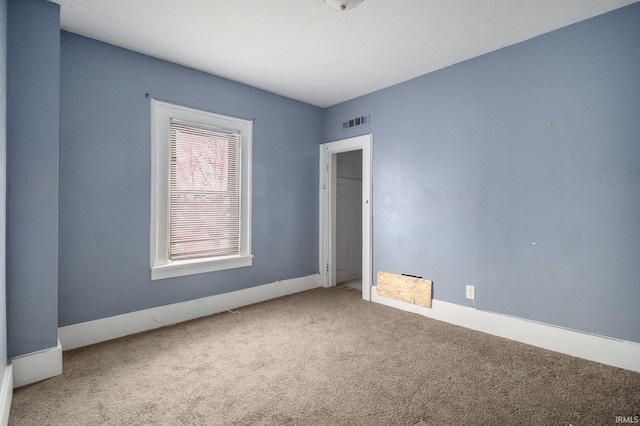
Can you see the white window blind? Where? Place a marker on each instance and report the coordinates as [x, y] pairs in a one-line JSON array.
[[200, 191], [204, 211]]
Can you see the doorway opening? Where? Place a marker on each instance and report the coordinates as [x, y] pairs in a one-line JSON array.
[[349, 219], [345, 213]]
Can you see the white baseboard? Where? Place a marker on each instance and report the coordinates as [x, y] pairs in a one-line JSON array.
[[6, 394], [90, 332], [36, 366], [605, 350]]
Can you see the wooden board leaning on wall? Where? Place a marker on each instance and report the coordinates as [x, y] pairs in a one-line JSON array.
[[406, 288]]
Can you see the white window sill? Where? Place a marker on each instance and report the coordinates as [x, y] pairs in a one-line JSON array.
[[181, 268]]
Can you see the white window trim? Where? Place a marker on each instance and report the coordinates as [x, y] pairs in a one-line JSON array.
[[161, 265]]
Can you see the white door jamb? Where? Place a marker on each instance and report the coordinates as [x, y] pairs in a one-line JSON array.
[[327, 237]]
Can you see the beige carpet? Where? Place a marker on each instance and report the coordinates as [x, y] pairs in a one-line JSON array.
[[324, 357]]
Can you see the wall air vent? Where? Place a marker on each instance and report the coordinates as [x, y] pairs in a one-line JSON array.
[[355, 122]]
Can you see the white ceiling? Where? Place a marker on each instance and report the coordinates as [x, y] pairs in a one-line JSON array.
[[304, 50]]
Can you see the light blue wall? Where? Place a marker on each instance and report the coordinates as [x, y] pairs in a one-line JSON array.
[[105, 180], [3, 182], [33, 73], [468, 173]]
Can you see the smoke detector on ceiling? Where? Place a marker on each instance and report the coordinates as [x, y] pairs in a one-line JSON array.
[[343, 5]]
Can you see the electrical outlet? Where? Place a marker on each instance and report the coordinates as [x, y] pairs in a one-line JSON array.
[[471, 292]]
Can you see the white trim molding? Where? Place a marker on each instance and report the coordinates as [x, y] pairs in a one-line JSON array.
[[605, 350], [327, 214], [90, 332], [6, 394], [37, 366]]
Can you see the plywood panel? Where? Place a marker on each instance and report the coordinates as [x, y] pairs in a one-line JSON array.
[[408, 289]]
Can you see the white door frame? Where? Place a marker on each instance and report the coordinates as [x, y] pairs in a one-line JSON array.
[[328, 212]]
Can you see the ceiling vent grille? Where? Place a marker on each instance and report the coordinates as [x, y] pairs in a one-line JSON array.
[[355, 122]]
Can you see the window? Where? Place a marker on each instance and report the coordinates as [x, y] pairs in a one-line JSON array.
[[200, 191]]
